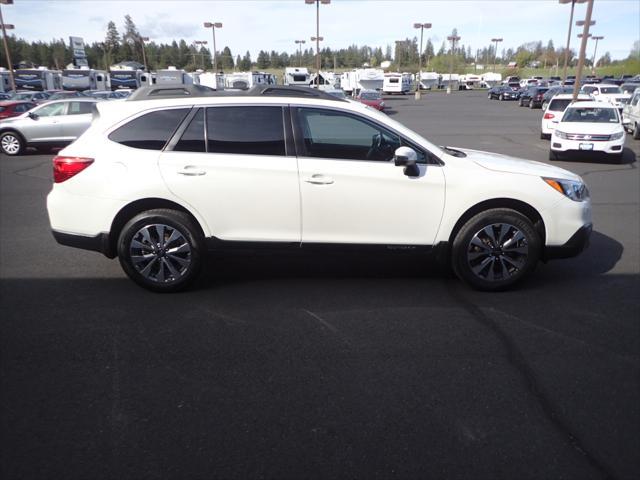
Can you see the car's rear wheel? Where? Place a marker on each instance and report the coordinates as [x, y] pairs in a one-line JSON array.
[[521, 103], [501, 97], [161, 250], [532, 105], [553, 155], [11, 143], [495, 249], [544, 105]]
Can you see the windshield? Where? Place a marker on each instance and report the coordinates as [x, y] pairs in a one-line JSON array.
[[590, 115], [610, 90], [370, 96]]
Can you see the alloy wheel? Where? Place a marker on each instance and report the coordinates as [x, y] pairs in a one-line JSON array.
[[497, 252], [10, 144], [160, 253]]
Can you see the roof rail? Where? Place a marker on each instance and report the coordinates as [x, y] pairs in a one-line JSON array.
[[182, 91]]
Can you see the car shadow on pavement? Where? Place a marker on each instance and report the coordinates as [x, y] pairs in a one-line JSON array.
[[599, 258]]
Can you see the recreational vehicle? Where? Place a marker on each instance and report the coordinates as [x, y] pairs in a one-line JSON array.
[[296, 76], [429, 80], [174, 76], [397, 83], [326, 81], [131, 79], [5, 80], [85, 79], [450, 80], [246, 80], [469, 81], [491, 79], [362, 79], [39, 79], [212, 80]]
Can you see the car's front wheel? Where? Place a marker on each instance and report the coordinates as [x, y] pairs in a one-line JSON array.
[[11, 143], [495, 249], [161, 250]]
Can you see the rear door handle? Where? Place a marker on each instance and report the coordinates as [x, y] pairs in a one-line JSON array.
[[191, 171], [319, 179]]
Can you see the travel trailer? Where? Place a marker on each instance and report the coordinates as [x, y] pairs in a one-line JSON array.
[[429, 80], [81, 79], [212, 80], [327, 81], [173, 76], [296, 76], [38, 79], [452, 80], [491, 79], [246, 80], [469, 81], [130, 79], [362, 79], [5, 80], [397, 83]]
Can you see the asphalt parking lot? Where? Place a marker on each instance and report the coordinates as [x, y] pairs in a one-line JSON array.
[[350, 366]]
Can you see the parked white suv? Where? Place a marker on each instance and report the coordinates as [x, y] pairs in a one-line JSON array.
[[604, 92], [170, 173], [631, 115]]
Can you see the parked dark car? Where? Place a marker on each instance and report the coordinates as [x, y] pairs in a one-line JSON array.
[[13, 108], [552, 92], [37, 97], [629, 87], [62, 94], [532, 97], [502, 92]]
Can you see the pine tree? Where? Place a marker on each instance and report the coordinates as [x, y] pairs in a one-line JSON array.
[[111, 44]]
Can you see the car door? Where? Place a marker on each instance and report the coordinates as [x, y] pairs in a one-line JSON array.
[[351, 190], [237, 173], [44, 126], [76, 121]]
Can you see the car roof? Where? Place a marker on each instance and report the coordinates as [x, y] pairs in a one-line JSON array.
[[6, 103], [564, 96], [600, 85]]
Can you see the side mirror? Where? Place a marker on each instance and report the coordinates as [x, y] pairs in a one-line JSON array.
[[33, 116], [626, 121], [407, 157]]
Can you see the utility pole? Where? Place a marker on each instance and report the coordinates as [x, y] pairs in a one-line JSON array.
[[421, 26], [453, 39], [495, 53], [593, 61], [583, 47], [566, 50], [213, 27], [317, 38]]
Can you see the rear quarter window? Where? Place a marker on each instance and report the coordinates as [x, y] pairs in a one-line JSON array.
[[150, 131]]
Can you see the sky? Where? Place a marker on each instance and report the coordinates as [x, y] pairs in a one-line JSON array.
[[275, 24]]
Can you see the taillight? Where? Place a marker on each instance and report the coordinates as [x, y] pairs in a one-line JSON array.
[[66, 167], [548, 116]]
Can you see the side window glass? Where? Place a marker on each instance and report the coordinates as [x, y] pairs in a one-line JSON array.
[[329, 134], [635, 99], [52, 110], [150, 131], [192, 139], [245, 130], [79, 108]]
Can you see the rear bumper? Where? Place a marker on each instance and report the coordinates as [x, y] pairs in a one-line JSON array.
[[99, 243], [574, 246]]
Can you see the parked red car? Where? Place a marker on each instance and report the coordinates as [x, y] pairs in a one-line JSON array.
[[373, 98], [13, 108]]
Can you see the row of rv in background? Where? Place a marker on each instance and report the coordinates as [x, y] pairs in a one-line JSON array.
[[351, 82]]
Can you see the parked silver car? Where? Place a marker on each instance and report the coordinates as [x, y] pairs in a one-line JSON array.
[[53, 124]]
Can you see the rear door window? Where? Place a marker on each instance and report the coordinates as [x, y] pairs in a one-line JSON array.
[[150, 131], [246, 130], [79, 108]]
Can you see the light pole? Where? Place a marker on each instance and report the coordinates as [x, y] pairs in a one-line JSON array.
[[144, 55], [495, 54], [593, 62], [453, 39], [199, 42], [317, 38], [586, 23], [213, 27], [6, 27], [299, 43], [421, 26], [566, 50]]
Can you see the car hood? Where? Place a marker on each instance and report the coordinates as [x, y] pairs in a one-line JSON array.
[[590, 128], [505, 163]]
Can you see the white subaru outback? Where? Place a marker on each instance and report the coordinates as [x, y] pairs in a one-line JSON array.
[[172, 172]]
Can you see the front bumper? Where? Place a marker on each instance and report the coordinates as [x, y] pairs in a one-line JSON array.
[[609, 146], [578, 242]]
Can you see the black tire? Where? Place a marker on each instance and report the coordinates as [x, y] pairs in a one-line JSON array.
[[636, 131], [489, 96], [545, 136], [544, 105], [493, 267], [553, 155], [501, 97], [141, 236], [11, 143], [532, 104], [520, 103]]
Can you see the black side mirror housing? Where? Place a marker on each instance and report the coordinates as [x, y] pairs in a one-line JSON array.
[[33, 116]]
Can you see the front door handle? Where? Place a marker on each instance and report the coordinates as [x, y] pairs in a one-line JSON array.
[[191, 171], [319, 179]]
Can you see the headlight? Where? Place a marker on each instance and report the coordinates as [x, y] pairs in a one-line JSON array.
[[616, 136], [576, 191], [560, 134]]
